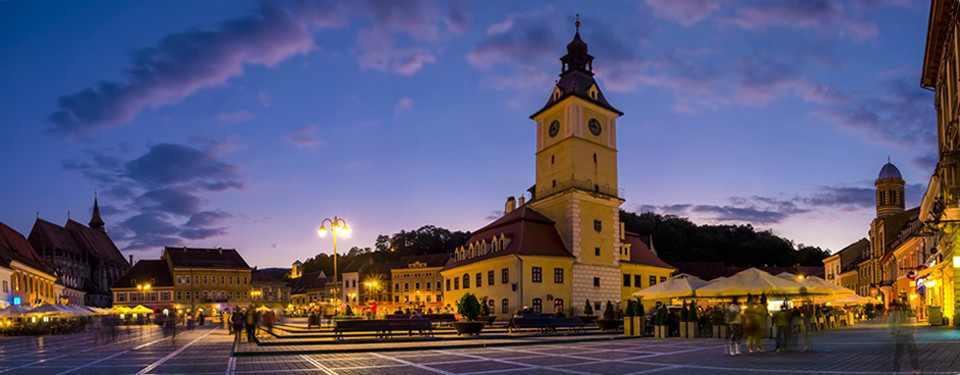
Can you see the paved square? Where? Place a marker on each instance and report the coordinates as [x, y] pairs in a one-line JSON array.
[[868, 349]]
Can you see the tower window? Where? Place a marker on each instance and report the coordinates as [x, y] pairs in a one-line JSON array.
[[594, 159], [596, 282], [554, 183], [552, 159], [596, 188], [596, 251], [597, 225]]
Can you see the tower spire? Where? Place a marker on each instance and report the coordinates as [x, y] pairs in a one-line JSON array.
[[96, 222], [577, 23]]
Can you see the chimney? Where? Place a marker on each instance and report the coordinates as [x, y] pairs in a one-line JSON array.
[[623, 231], [131, 259], [510, 205], [523, 200]]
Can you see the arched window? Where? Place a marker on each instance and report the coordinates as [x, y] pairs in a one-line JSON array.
[[558, 305], [537, 305], [466, 280]]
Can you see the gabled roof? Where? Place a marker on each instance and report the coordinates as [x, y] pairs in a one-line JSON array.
[[154, 271], [47, 235], [189, 257], [640, 252], [893, 224], [270, 275], [851, 255], [529, 233], [96, 243], [309, 281], [13, 246]]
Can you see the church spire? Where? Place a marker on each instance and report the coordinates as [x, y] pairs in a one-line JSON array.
[[95, 221], [577, 58]]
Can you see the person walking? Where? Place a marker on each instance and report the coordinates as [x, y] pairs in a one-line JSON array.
[[735, 322], [903, 337]]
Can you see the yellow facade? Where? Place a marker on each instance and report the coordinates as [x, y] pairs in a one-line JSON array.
[[514, 284], [639, 276], [33, 286], [198, 286], [417, 286]]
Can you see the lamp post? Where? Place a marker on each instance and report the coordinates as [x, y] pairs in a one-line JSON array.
[[336, 226]]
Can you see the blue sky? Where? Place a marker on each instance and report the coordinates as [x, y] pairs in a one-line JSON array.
[[241, 124]]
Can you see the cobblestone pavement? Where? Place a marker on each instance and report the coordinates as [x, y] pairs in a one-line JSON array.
[[866, 350]]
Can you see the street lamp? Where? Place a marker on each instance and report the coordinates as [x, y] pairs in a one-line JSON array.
[[336, 226]]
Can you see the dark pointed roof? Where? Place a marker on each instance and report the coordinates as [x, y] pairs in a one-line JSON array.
[[153, 271], [96, 243], [576, 76], [530, 233], [50, 236], [640, 252], [96, 222], [14, 247]]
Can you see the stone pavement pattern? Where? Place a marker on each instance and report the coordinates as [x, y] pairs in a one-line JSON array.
[[207, 351]]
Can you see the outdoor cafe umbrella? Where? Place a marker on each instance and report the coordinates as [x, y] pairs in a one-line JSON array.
[[14, 311], [812, 284], [676, 287], [52, 309], [141, 309], [750, 281]]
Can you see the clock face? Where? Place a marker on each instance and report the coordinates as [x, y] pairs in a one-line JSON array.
[[554, 128], [594, 126]]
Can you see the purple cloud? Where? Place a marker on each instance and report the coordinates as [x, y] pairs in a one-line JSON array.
[[901, 114], [816, 15], [305, 136], [686, 12]]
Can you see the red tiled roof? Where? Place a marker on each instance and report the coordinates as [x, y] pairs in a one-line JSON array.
[[13, 246], [204, 258], [640, 252], [153, 271], [530, 233]]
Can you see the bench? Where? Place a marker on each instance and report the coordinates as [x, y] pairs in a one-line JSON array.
[[545, 323], [383, 328]]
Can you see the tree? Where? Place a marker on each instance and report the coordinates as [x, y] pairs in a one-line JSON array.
[[469, 306]]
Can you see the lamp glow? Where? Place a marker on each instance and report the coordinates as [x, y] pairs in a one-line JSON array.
[[322, 232]]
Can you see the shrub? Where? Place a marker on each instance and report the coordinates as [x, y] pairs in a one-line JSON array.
[[631, 308], [640, 311], [485, 307], [469, 306], [608, 312]]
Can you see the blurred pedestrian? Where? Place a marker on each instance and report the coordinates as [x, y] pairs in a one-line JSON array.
[[903, 337], [735, 322]]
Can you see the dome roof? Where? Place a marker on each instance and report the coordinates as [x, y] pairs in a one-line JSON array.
[[889, 171], [577, 46]]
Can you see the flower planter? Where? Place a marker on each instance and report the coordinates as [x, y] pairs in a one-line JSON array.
[[691, 330], [469, 327]]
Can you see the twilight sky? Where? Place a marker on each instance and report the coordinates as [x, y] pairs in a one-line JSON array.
[[242, 124]]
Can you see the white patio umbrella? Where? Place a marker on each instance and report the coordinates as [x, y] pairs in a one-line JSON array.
[[52, 309], [813, 284], [79, 310], [14, 311], [750, 281], [676, 287]]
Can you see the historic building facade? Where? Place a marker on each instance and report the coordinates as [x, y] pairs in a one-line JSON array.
[[417, 281], [27, 279], [84, 258], [891, 219], [940, 208], [565, 245]]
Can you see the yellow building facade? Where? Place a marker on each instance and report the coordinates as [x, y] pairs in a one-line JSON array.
[[938, 209], [565, 246], [417, 282]]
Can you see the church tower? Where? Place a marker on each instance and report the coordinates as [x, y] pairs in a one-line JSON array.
[[890, 188], [96, 222], [576, 174]]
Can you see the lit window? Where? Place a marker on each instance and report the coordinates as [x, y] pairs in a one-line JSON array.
[[537, 274]]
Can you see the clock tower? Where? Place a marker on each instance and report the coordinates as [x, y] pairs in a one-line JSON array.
[[576, 175]]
